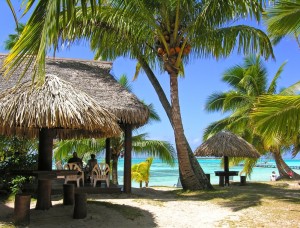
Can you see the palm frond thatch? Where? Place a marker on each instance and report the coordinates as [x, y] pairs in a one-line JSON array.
[[26, 108], [93, 78], [225, 143]]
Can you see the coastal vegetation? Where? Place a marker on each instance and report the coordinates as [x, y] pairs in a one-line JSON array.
[[16, 153], [247, 82], [141, 172], [158, 33]]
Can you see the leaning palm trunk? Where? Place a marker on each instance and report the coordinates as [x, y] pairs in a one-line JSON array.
[[283, 169], [188, 176], [196, 171]]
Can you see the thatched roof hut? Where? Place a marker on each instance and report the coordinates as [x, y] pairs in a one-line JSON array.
[[225, 143], [26, 108], [93, 78]]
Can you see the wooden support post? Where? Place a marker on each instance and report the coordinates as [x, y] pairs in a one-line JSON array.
[[45, 149], [44, 164], [80, 210], [221, 181], [22, 209], [226, 169], [243, 180], [68, 194], [127, 158], [107, 151], [43, 195]]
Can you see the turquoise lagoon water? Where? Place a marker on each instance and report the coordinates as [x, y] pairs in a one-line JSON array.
[[163, 175]]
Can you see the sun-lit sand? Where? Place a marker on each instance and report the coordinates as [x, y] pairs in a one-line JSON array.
[[162, 207]]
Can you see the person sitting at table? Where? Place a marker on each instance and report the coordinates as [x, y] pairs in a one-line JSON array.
[[75, 159], [91, 162], [90, 165]]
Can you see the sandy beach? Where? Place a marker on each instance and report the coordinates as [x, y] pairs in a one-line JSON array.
[[253, 205]]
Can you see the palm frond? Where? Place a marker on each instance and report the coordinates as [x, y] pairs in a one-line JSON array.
[[273, 84], [217, 126], [291, 90], [13, 11], [40, 32], [215, 102], [156, 148], [123, 80], [283, 19], [277, 115], [221, 42], [65, 148]]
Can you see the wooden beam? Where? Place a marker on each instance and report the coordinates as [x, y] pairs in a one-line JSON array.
[[226, 169], [107, 151], [44, 164], [127, 158], [45, 149]]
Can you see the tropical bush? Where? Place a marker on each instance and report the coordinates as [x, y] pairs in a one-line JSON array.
[[16, 154]]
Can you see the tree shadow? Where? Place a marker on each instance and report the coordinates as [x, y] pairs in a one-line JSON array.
[[235, 196], [6, 215], [99, 214]]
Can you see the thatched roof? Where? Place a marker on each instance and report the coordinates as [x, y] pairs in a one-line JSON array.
[[228, 144], [26, 108], [93, 78]]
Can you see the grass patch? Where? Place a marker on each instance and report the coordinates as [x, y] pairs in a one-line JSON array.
[[150, 202], [126, 211], [7, 225]]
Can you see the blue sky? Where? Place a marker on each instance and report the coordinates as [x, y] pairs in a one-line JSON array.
[[202, 77]]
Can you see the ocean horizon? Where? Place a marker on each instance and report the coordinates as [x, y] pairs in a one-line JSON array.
[[162, 174]]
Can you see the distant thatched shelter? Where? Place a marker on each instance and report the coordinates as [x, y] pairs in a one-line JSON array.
[[226, 144]]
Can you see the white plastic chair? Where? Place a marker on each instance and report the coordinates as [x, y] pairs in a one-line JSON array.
[[100, 172], [78, 177]]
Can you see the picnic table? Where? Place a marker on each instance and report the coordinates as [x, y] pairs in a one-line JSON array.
[[226, 175]]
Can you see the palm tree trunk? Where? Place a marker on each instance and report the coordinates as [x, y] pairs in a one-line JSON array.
[[283, 169], [115, 169], [188, 177], [197, 170]]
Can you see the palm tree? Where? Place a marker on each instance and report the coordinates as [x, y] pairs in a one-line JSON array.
[[166, 33], [283, 19], [248, 82], [140, 144], [141, 172]]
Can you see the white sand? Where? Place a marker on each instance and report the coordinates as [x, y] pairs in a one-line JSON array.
[[153, 207]]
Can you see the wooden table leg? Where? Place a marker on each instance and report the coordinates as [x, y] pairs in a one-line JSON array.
[[221, 181]]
